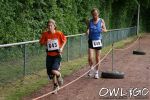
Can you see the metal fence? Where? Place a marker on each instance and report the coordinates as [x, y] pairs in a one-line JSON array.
[[24, 58]]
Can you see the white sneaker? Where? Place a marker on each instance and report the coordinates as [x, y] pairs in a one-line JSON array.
[[96, 76], [91, 72]]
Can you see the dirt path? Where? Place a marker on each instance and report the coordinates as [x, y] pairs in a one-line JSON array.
[[137, 75]]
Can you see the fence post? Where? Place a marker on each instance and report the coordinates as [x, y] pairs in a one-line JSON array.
[[24, 61], [68, 49], [138, 26], [80, 45]]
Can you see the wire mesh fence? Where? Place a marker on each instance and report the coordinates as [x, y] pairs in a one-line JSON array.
[[22, 59]]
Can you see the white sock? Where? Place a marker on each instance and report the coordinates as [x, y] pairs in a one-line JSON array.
[[96, 72]]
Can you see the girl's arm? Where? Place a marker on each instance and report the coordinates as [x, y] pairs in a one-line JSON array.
[[103, 26], [87, 23], [63, 40], [62, 47]]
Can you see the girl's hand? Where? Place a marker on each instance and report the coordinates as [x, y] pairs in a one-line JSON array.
[[104, 30], [60, 50], [87, 32]]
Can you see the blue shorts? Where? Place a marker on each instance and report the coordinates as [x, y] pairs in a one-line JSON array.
[[52, 63]]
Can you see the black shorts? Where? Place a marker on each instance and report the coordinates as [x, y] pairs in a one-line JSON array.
[[52, 63], [90, 45]]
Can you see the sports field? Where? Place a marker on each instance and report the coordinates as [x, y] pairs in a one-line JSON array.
[[135, 85]]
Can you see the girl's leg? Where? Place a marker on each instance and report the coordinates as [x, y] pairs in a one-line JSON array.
[[90, 60], [56, 72], [98, 63], [55, 81], [59, 79], [56, 86], [97, 57], [90, 57]]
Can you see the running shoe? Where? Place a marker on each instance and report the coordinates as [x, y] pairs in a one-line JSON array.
[[91, 72], [55, 89], [96, 76]]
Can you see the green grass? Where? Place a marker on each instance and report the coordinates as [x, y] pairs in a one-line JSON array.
[[121, 44], [20, 88], [33, 82], [15, 67]]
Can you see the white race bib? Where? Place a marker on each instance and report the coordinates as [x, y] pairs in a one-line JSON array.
[[52, 44], [97, 43]]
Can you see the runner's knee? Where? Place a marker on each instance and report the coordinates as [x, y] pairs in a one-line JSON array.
[[55, 72]]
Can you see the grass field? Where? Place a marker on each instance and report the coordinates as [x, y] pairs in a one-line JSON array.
[[17, 89]]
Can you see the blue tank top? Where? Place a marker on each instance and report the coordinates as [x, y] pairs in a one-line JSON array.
[[95, 30]]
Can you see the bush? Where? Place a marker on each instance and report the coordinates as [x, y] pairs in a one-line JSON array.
[[23, 20]]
